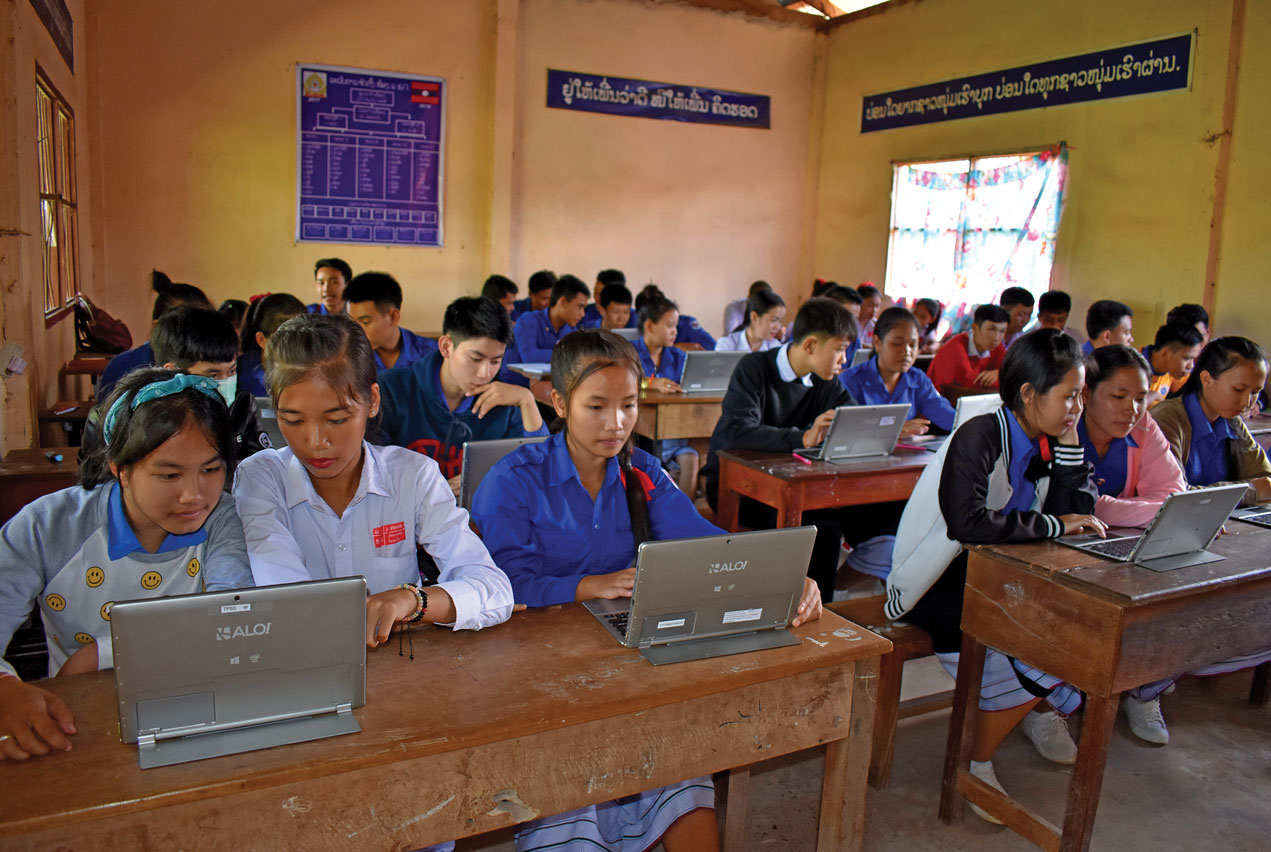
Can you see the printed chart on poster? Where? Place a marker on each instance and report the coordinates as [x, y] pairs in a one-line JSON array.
[[369, 156]]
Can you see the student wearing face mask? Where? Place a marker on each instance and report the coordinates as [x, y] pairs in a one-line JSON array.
[[200, 342]]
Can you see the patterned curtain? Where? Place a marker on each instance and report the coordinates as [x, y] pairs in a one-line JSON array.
[[964, 233]]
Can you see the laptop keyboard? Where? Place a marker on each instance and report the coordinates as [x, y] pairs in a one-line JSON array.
[[1121, 547], [1258, 517], [619, 621]]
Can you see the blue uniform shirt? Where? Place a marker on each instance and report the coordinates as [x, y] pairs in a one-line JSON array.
[[672, 366], [592, 318], [1109, 471], [1087, 348], [251, 374], [689, 330], [1207, 460], [123, 364], [865, 384], [519, 307], [414, 347], [317, 308], [1023, 448], [547, 534]]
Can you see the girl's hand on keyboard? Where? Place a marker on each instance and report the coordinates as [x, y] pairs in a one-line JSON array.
[[1084, 523]]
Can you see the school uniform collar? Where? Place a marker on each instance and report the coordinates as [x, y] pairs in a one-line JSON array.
[[874, 379], [646, 357], [1202, 426], [429, 369], [971, 348], [561, 467], [1088, 446], [299, 487], [786, 371], [121, 540]]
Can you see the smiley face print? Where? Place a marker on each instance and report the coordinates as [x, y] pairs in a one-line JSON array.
[[151, 580], [57, 603], [193, 568], [94, 577], [83, 638], [105, 610]]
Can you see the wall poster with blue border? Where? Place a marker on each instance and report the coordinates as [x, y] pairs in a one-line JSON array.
[[369, 156]]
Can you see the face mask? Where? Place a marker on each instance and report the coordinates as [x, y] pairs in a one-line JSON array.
[[228, 388]]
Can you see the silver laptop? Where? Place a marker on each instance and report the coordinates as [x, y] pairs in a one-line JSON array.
[[532, 369], [627, 333], [1187, 523], [1259, 515], [696, 598], [862, 355], [226, 672], [708, 373], [479, 457], [967, 407], [268, 420], [860, 433]]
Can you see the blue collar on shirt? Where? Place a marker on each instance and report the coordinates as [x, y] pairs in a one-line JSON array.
[[1202, 428], [561, 465], [433, 378], [1111, 469], [786, 371], [121, 540], [299, 487], [1022, 450]]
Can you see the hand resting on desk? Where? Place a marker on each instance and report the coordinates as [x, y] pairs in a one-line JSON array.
[[32, 720]]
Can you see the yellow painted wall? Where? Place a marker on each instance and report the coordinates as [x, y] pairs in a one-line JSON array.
[[1141, 170]]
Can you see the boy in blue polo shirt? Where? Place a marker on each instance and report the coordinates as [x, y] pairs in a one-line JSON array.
[[598, 310], [450, 396], [540, 286], [330, 276], [374, 301], [537, 332]]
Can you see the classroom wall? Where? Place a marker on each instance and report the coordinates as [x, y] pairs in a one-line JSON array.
[[703, 210], [1141, 170], [22, 320]]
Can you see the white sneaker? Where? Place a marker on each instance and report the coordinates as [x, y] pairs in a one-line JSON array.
[[984, 771], [1049, 734], [1146, 721]]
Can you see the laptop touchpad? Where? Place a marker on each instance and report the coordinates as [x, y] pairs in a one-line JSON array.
[[179, 711]]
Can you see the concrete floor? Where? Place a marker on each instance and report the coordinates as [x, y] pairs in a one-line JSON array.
[[1209, 789]]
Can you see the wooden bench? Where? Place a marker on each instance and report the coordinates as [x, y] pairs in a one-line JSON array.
[[908, 643]]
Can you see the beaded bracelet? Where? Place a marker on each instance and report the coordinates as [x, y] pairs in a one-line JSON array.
[[421, 603]]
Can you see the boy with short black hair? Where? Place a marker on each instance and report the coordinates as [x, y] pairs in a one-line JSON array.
[[1018, 304], [450, 396], [374, 301], [783, 399], [540, 286], [1190, 313], [593, 316], [1108, 322], [615, 309], [1172, 356], [537, 332], [201, 342], [1053, 309], [330, 275], [501, 289], [972, 359]]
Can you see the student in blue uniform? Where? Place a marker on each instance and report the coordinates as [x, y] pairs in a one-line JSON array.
[[501, 289], [615, 309], [889, 378], [687, 328], [330, 276], [332, 505], [564, 518], [374, 301], [168, 295], [593, 315], [540, 296], [150, 520], [1108, 323], [663, 367], [263, 318], [439, 402], [538, 331]]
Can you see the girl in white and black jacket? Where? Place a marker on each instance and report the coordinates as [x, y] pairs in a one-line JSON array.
[[1016, 475]]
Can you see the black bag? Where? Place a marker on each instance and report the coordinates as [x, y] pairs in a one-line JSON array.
[[97, 331]]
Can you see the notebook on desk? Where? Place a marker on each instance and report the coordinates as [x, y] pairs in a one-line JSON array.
[[1186, 524], [479, 457], [627, 333], [707, 373], [220, 673], [707, 597], [860, 433], [532, 369]]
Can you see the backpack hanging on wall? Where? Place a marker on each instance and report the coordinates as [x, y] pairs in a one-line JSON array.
[[97, 331]]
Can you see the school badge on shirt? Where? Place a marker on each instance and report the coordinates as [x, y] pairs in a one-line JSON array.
[[389, 534]]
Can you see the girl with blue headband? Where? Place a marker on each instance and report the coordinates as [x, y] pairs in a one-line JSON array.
[[151, 519]]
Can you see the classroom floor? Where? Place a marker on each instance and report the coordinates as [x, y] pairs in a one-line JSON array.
[[1209, 789]]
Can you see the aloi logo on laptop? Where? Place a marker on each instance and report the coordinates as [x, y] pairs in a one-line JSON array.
[[242, 631], [720, 567]]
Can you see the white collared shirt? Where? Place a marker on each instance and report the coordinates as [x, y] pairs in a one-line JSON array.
[[401, 500], [971, 347], [786, 371]]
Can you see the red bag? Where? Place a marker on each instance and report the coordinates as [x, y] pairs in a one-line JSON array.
[[97, 331]]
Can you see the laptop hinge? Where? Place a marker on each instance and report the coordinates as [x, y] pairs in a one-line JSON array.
[[145, 741], [344, 709]]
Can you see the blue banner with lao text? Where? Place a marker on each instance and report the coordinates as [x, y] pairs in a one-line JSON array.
[[1137, 69], [645, 99]]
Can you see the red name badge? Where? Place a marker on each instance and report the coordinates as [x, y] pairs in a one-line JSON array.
[[389, 534]]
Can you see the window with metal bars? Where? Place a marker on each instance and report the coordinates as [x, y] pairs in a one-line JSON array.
[[59, 219]]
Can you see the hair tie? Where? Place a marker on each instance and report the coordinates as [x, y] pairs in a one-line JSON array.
[[157, 390]]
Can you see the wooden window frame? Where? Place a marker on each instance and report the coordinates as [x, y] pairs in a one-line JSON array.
[[59, 199]]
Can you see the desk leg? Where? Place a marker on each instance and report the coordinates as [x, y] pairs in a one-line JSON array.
[[732, 805], [966, 703], [1087, 777], [842, 825], [790, 511]]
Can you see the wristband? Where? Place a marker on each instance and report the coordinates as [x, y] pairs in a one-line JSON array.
[[421, 603], [644, 383]]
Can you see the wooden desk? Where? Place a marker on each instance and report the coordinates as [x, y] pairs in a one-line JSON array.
[[661, 415], [481, 731], [1103, 627], [793, 487], [27, 474], [86, 364]]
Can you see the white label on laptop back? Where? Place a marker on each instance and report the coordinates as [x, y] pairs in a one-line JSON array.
[[736, 615], [242, 607], [887, 421], [670, 622]]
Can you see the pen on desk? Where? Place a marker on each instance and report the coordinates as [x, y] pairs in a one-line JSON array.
[[803, 459], [900, 446]]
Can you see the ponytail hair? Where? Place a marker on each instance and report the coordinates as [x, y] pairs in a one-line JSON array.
[[760, 302], [265, 315], [1220, 355], [169, 295], [580, 355]]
